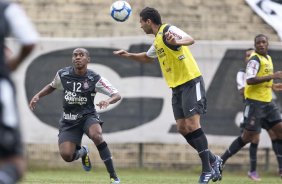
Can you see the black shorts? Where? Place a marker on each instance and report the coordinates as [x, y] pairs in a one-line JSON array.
[[73, 132], [189, 99], [259, 115], [10, 141]]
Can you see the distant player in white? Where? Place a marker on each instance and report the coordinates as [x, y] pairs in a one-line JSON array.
[[14, 22]]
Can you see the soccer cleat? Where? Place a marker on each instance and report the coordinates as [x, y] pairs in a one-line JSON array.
[[115, 180], [86, 163], [217, 167], [206, 177], [280, 173], [254, 176]]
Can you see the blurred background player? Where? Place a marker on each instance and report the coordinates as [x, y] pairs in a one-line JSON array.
[[182, 74], [260, 111], [80, 86], [14, 21]]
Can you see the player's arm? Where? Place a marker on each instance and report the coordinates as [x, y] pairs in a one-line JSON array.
[[140, 57], [43, 92], [277, 87], [252, 70], [240, 82], [105, 87], [49, 88], [176, 36], [23, 30]]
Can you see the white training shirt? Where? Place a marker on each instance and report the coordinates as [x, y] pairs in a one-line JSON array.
[[241, 80], [20, 26], [178, 33]]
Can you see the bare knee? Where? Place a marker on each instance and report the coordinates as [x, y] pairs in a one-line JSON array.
[[97, 138], [67, 150], [66, 156]]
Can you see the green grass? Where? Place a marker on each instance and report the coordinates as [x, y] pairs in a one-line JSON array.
[[135, 176]]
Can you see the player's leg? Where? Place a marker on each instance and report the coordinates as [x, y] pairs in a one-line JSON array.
[[12, 163], [252, 117], [188, 103], [190, 128], [94, 131], [69, 145], [274, 125], [253, 158], [277, 144]]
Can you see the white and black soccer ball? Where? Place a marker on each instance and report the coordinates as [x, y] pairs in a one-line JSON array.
[[120, 10]]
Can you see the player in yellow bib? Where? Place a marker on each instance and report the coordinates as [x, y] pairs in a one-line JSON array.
[[260, 111], [183, 76]]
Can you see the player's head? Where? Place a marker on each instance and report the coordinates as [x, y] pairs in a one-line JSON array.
[[248, 53], [80, 58], [148, 17], [261, 44]]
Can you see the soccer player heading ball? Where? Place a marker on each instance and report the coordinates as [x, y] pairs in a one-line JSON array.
[[183, 76]]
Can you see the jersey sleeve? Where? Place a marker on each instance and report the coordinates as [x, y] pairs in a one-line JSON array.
[[56, 83], [105, 87], [241, 80], [20, 25], [178, 33], [151, 52], [252, 68]]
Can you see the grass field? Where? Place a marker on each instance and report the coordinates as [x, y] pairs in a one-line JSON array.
[[135, 176]]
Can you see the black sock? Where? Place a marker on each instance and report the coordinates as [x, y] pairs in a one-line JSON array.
[[278, 152], [198, 141], [80, 152], [253, 156], [9, 174], [106, 156], [274, 145], [211, 155], [235, 146]]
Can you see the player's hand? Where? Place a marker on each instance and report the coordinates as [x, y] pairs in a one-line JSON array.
[[170, 38], [121, 52], [103, 104], [277, 87], [278, 75], [33, 102]]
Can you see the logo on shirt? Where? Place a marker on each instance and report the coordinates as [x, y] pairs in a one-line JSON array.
[[73, 98], [85, 84]]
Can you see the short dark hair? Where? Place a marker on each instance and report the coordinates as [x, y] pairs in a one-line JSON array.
[[260, 35], [152, 14], [249, 49]]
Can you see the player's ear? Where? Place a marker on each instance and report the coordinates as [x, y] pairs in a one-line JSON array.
[[89, 59]]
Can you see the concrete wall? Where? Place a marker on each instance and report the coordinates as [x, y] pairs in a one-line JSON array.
[[203, 20]]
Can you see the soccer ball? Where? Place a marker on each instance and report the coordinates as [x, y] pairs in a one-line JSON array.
[[120, 10]]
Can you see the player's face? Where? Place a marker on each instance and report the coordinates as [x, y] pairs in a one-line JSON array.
[[80, 59], [261, 45], [145, 25]]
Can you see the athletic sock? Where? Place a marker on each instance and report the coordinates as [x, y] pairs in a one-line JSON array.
[[80, 152], [235, 146], [9, 174], [211, 155], [106, 156], [253, 156], [278, 152], [198, 140]]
